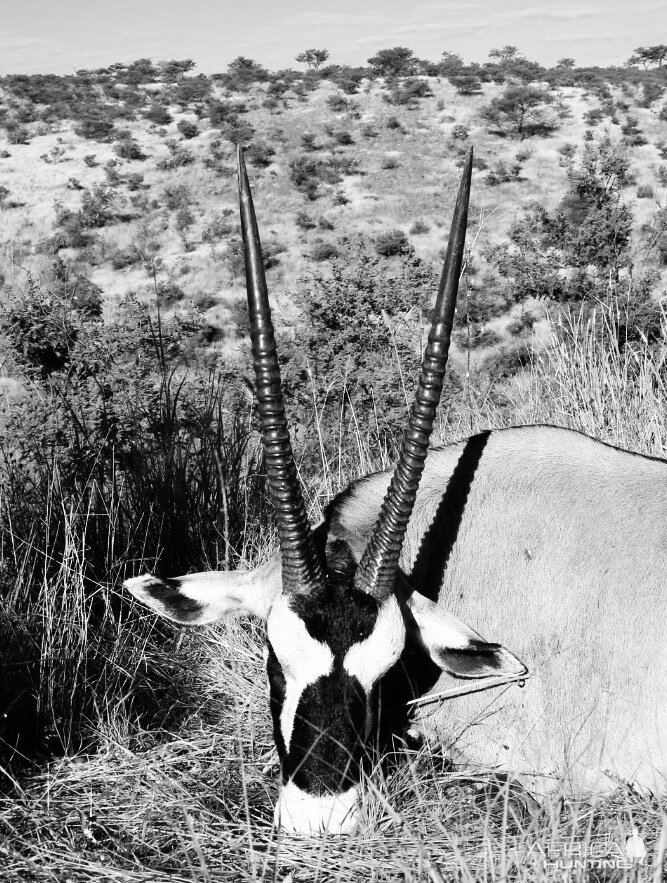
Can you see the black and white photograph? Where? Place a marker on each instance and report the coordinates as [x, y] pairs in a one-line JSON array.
[[333, 441]]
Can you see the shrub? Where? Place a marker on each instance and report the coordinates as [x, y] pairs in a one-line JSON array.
[[503, 173], [304, 176], [134, 181], [645, 191], [169, 294], [305, 222], [524, 322], [260, 154], [237, 132], [122, 258], [308, 141], [460, 132], [96, 129], [338, 103], [176, 196], [127, 148], [158, 114], [17, 134], [392, 242], [343, 137], [188, 129], [394, 123], [179, 156], [323, 251], [218, 226], [508, 361], [390, 162], [419, 228]]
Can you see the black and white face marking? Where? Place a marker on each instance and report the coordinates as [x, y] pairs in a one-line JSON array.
[[326, 653]]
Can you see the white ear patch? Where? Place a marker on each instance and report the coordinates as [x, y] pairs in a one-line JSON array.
[[371, 658], [302, 658], [202, 598]]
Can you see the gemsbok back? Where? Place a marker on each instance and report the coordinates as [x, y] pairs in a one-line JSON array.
[[540, 537]]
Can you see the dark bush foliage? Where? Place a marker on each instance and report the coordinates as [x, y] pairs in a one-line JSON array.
[[392, 242], [188, 129]]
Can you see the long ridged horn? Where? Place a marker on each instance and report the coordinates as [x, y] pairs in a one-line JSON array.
[[377, 569], [301, 565]]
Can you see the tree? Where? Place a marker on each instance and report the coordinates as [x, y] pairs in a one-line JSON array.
[[313, 58], [465, 82], [648, 55], [566, 63], [521, 109], [396, 62], [451, 63], [174, 70], [506, 55], [247, 70], [582, 250]]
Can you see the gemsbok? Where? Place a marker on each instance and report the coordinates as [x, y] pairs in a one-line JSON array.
[[543, 538]]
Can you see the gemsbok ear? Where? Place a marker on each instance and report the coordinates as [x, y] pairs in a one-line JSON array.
[[203, 598], [458, 649]]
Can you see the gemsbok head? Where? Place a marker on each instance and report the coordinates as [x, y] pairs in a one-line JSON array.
[[338, 609]]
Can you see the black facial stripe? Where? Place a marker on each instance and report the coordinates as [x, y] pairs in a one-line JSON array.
[[168, 593], [328, 735], [337, 615], [277, 690]]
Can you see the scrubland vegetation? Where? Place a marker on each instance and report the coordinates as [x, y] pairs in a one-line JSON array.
[[134, 750]]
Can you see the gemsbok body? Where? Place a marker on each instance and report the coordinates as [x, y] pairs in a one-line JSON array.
[[539, 537]]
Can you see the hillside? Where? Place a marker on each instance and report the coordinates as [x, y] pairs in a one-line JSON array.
[[123, 180]]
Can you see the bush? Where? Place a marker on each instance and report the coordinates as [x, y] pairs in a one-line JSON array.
[[188, 129], [158, 114], [114, 471], [645, 191], [169, 294], [394, 123], [343, 137], [179, 157], [391, 243], [369, 131], [323, 251], [338, 103], [96, 129], [419, 228], [18, 134], [305, 222], [122, 258], [308, 141], [460, 132], [503, 173], [127, 148], [260, 154]]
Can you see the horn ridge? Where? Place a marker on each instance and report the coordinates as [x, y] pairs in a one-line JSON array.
[[377, 569], [301, 566]]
